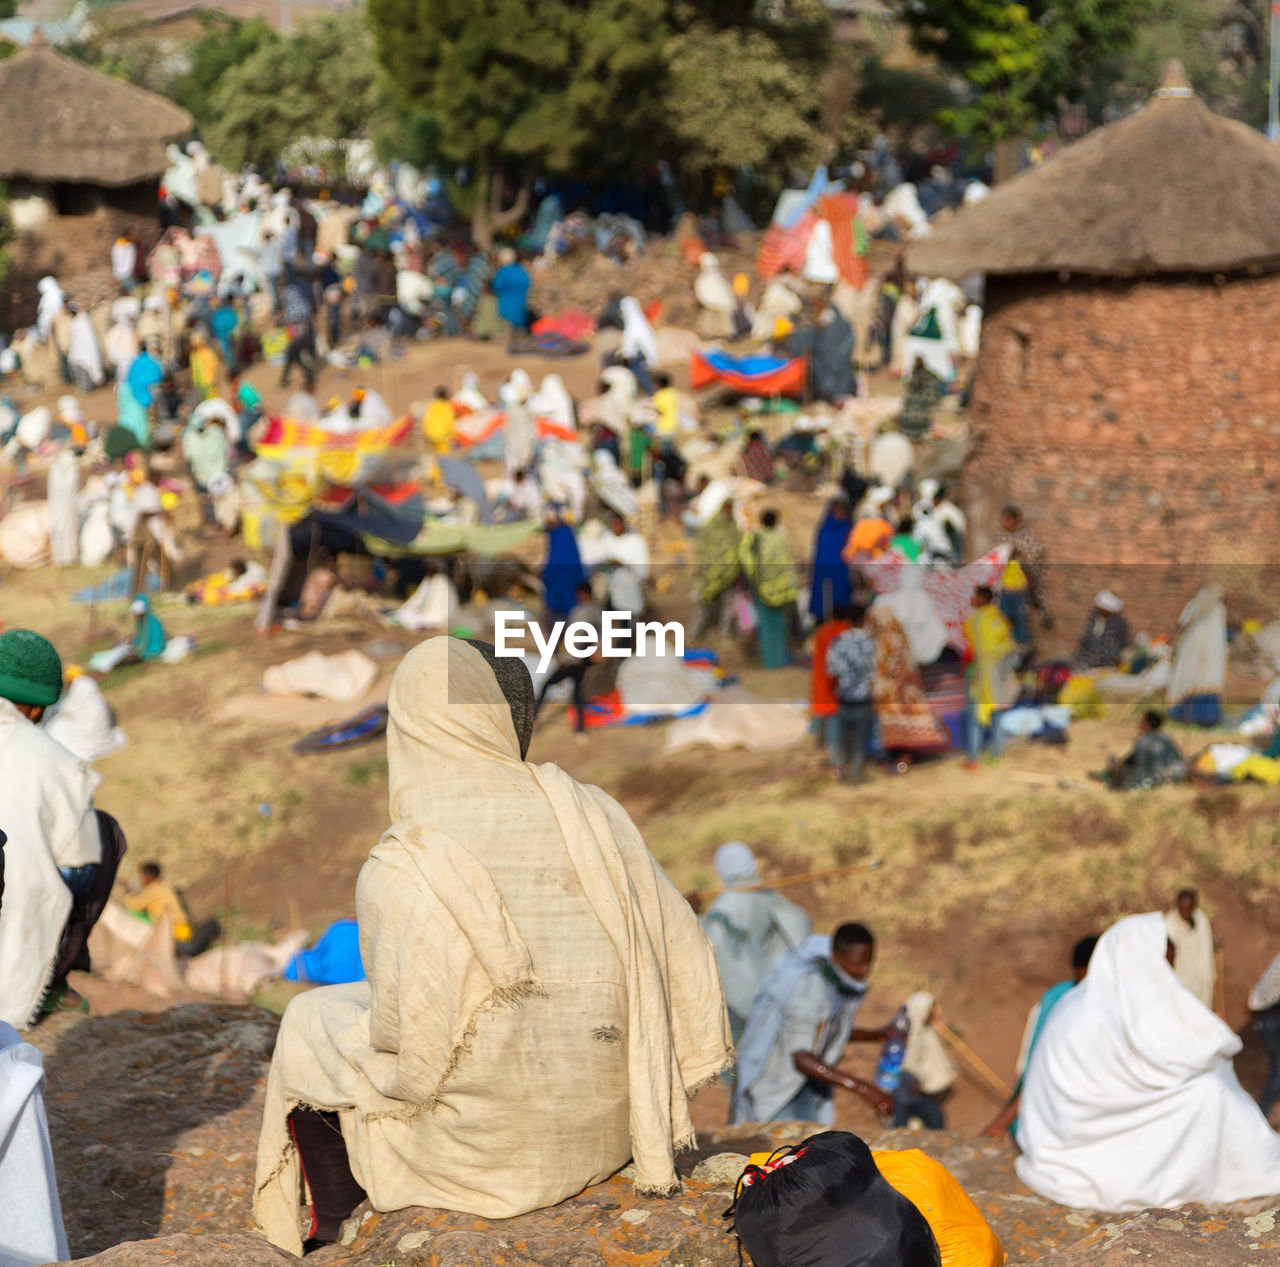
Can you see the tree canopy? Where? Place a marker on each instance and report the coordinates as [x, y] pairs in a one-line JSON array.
[[316, 83], [561, 86], [1020, 59]]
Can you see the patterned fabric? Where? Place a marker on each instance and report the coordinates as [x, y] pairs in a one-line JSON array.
[[851, 660], [296, 305], [840, 211], [757, 462], [949, 589], [906, 721], [718, 566]]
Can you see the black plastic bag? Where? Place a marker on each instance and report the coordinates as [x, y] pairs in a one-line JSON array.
[[829, 1206]]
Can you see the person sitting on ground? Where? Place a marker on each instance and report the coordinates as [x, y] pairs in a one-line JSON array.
[[750, 928], [851, 661], [54, 855], [1192, 937], [554, 988], [756, 458], [1131, 1102], [800, 1024], [927, 1071], [155, 899], [1154, 759], [1007, 1118], [1105, 634]]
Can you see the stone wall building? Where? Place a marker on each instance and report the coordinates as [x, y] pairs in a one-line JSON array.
[[1128, 388]]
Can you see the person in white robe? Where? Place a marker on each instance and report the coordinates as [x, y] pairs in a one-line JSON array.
[[1192, 936], [84, 353], [639, 349], [63, 494], [1130, 1100], [750, 928], [52, 300], [553, 402], [32, 1231], [779, 303], [48, 816], [1199, 670], [714, 293], [82, 721]]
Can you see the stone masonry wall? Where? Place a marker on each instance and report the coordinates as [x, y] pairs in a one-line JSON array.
[[1137, 425]]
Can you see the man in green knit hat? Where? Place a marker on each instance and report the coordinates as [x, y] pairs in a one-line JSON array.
[[54, 842]]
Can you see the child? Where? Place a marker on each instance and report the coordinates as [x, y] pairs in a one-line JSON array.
[[439, 422]]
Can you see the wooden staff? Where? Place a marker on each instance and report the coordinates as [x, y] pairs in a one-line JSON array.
[[986, 1074], [873, 864]]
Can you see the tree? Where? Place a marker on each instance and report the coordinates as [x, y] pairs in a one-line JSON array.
[[1019, 60], [225, 44], [317, 83], [510, 89]]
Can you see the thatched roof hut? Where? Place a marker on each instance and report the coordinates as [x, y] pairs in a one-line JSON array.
[[1173, 189], [1125, 395], [66, 123]]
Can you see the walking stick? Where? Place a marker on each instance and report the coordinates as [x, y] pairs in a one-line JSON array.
[[873, 864], [986, 1074]]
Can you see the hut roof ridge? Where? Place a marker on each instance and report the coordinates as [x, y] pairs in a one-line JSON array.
[[1175, 188]]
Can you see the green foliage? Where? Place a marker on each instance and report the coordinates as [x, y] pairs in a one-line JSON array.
[[1020, 59], [8, 9], [224, 45], [902, 101], [535, 84], [317, 83]]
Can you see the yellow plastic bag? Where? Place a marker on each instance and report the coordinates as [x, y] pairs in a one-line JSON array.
[[1081, 695], [963, 1235]]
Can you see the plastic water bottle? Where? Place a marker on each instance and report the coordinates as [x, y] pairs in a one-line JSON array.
[[893, 1052]]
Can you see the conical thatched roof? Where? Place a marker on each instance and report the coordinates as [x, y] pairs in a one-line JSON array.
[[62, 121], [1174, 189]]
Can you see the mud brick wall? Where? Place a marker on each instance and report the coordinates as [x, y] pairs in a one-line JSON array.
[[1137, 425]]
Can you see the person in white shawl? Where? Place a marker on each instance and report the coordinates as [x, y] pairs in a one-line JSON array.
[[520, 432], [84, 354], [553, 402], [639, 350], [48, 815], [540, 993], [1199, 660], [911, 605], [1192, 936], [51, 304], [82, 721], [63, 496], [713, 292], [927, 1070], [750, 928], [32, 1231], [1130, 1099]]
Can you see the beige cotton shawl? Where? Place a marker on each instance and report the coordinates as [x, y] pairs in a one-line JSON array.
[[540, 1002]]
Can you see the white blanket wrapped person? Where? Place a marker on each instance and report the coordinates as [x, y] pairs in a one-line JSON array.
[[536, 983], [1131, 1101]]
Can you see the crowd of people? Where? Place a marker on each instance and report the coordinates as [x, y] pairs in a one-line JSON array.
[[571, 960]]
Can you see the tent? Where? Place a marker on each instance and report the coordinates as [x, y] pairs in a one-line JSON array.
[[748, 375]]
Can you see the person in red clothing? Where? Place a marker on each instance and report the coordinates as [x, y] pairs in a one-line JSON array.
[[823, 705]]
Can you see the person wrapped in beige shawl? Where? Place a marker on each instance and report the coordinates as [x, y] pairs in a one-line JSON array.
[[540, 999]]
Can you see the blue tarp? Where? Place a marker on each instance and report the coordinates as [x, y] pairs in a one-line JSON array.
[[333, 960]]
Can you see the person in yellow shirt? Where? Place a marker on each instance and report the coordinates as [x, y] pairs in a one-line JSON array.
[[157, 898], [205, 365], [989, 653], [439, 422]]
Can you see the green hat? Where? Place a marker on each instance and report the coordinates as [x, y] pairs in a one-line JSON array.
[[30, 668]]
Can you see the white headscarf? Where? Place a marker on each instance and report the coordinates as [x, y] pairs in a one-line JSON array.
[[736, 864], [926, 631], [52, 301], [1130, 1100], [712, 288], [552, 400], [637, 334]]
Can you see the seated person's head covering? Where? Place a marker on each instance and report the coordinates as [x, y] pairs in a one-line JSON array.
[[1108, 602], [30, 668], [735, 864]]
